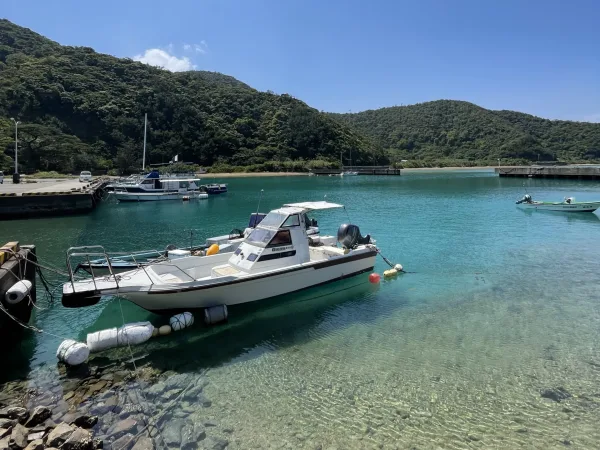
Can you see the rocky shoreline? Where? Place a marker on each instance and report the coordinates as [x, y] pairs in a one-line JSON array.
[[109, 407]]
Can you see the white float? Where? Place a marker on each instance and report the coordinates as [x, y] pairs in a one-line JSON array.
[[134, 333], [181, 321], [72, 352], [18, 292], [102, 340]]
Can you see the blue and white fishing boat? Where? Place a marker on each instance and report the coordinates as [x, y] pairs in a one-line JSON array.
[[215, 188]]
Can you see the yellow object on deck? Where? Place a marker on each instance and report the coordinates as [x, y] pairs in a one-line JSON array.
[[212, 250]]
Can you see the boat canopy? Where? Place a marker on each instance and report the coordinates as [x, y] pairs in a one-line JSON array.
[[312, 206]]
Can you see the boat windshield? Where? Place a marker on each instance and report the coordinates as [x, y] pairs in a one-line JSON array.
[[273, 220], [260, 236]]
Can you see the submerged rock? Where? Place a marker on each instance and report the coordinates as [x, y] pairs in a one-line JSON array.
[[80, 439], [557, 394], [39, 415], [5, 423], [144, 443], [85, 421], [125, 442], [19, 436], [38, 444], [15, 413], [214, 443], [172, 433], [191, 434], [59, 435], [128, 425]]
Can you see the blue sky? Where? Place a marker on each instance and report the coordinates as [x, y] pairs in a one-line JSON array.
[[539, 57]]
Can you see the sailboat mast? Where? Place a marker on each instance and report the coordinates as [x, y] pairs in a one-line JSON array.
[[144, 157]]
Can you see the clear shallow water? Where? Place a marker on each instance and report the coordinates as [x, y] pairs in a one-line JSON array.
[[502, 304]]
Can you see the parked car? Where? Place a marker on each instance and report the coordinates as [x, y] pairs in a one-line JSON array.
[[1, 177], [85, 176]]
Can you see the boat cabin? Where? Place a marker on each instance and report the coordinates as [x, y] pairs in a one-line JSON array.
[[281, 239]]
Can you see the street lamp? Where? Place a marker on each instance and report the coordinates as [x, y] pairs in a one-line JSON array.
[[16, 148]]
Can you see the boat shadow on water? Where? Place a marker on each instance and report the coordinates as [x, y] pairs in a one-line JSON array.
[[259, 327]]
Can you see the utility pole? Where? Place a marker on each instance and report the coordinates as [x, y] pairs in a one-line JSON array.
[[16, 176]]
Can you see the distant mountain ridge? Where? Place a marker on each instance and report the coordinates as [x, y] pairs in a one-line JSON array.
[[461, 130], [83, 110]]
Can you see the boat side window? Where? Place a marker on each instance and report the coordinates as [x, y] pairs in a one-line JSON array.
[[283, 237], [148, 182], [292, 221]]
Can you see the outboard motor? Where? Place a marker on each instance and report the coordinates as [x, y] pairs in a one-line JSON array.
[[526, 199], [349, 236]]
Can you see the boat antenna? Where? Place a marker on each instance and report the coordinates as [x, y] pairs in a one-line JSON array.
[[144, 156], [258, 206]]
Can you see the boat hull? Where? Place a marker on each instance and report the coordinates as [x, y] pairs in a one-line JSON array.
[[565, 207], [150, 197], [250, 289], [229, 290]]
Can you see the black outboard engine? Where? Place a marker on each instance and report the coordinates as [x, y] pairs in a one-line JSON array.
[[349, 236], [526, 199]]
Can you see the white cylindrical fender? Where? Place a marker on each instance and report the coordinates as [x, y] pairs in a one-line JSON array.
[[134, 333], [215, 314], [18, 292], [181, 321], [102, 340], [72, 352]]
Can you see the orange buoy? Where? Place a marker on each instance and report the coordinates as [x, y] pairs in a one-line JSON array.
[[374, 278], [212, 250]]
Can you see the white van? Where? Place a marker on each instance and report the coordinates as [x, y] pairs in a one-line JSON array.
[[1, 177], [85, 176]]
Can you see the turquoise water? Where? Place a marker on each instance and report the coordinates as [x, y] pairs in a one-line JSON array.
[[499, 304]]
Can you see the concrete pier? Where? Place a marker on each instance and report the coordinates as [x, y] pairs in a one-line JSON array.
[[580, 172], [49, 197], [13, 269]]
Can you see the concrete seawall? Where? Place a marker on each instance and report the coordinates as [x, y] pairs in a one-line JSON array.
[[580, 172], [49, 198]]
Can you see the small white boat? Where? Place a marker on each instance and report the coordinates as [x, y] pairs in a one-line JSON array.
[[277, 257], [349, 173], [567, 205]]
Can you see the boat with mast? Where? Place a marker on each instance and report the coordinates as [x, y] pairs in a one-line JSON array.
[[348, 173]]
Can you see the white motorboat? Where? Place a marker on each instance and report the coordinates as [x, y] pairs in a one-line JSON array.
[[277, 257], [153, 188], [567, 205], [349, 173]]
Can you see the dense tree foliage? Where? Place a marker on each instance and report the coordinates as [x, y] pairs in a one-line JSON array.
[[460, 131], [84, 110]]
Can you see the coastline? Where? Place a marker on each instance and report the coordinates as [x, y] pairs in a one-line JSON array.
[[295, 174], [251, 174]]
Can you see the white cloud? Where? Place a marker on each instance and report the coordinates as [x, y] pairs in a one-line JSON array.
[[202, 47], [161, 58], [592, 118]]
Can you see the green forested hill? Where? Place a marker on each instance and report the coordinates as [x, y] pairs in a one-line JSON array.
[[456, 130], [84, 110]]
